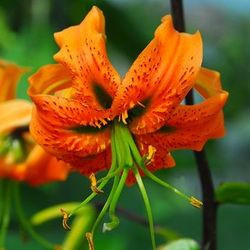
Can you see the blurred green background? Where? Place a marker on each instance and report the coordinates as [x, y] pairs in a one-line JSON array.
[[26, 37]]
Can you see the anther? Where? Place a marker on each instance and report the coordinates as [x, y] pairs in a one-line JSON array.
[[93, 182], [195, 202], [89, 238], [148, 158], [65, 219], [141, 104], [124, 116]]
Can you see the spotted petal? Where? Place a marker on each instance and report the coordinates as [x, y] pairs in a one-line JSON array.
[[83, 53], [67, 142], [160, 78], [189, 127]]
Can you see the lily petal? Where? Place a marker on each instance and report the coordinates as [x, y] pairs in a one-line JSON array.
[[13, 114], [9, 75], [92, 163], [49, 79], [41, 167], [189, 127], [69, 143], [160, 77], [83, 53]]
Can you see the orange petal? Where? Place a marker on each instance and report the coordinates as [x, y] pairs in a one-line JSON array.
[[12, 171], [10, 74], [83, 53], [160, 77], [69, 142], [42, 167], [198, 115], [49, 79], [13, 114], [92, 163], [61, 111], [189, 127]]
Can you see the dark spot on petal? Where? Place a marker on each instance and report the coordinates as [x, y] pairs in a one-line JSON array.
[[102, 96]]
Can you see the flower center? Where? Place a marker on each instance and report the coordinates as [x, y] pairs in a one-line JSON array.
[[125, 158]]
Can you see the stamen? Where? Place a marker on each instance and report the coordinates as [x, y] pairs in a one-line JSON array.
[[141, 104], [93, 182], [65, 219], [124, 116], [195, 202], [89, 238], [148, 158]]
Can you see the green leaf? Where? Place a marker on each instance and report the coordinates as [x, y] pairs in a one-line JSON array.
[[234, 193], [182, 244]]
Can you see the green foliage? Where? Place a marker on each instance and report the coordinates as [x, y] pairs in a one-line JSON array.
[[234, 193], [182, 244]]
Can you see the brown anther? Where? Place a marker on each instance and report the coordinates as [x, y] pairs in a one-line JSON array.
[[65, 219], [124, 116], [89, 238], [195, 202], [93, 186], [150, 155]]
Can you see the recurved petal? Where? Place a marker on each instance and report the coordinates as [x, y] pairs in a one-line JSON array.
[[83, 53], [49, 79], [160, 78], [41, 167], [69, 142], [197, 115], [10, 74], [189, 127], [13, 114], [92, 163]]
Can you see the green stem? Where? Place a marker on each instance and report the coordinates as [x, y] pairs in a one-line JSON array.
[[24, 222], [106, 205], [121, 135], [164, 184], [114, 219], [5, 214], [147, 205], [109, 176], [133, 148]]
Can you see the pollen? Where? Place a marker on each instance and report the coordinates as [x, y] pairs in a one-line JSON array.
[[149, 157], [65, 219], [195, 202], [89, 238], [124, 116], [93, 186]]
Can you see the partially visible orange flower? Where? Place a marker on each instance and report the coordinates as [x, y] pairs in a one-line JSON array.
[[20, 158], [78, 99]]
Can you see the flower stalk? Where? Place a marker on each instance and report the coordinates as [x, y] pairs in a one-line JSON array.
[[209, 240]]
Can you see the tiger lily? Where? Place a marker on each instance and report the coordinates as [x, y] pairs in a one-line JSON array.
[[87, 115], [20, 158]]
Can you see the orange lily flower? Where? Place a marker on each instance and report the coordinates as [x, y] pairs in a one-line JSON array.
[[20, 158], [75, 123], [86, 115]]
